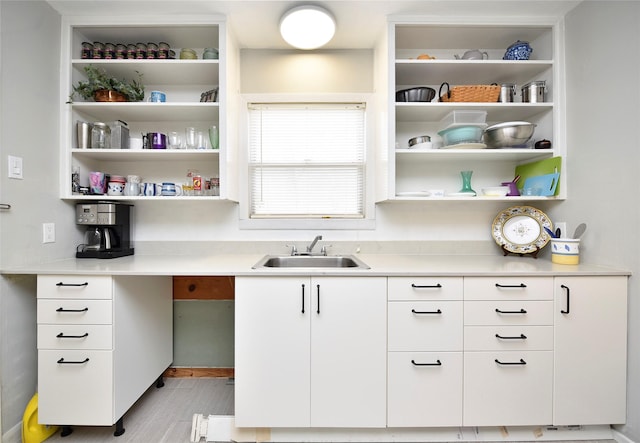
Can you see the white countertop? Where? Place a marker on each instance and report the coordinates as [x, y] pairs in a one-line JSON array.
[[380, 265]]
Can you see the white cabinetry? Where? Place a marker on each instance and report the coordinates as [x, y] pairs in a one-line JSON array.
[[415, 170], [102, 341], [508, 351], [590, 350], [310, 352], [182, 80], [425, 352]]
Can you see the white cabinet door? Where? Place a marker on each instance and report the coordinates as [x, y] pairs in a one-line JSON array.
[[590, 350], [511, 388], [425, 389], [348, 357], [272, 354]]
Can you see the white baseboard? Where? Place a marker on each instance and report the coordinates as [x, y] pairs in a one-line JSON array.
[[13, 435], [621, 438]]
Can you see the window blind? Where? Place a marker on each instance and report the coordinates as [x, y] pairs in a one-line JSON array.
[[307, 160]]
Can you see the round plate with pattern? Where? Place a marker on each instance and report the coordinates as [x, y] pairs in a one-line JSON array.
[[520, 229]]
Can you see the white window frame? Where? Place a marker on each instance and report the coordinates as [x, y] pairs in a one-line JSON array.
[[246, 222]]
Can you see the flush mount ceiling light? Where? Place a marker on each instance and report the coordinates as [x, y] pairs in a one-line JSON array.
[[307, 27]]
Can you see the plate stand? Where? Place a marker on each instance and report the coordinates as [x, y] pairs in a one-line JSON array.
[[534, 254]]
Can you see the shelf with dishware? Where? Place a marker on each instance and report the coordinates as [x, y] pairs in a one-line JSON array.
[[426, 61], [188, 78]]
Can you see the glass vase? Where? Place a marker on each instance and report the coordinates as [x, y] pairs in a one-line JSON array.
[[466, 183]]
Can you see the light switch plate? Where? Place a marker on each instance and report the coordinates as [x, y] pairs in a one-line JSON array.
[[15, 167]]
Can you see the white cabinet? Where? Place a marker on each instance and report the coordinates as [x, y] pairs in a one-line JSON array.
[[590, 350], [310, 352], [102, 341], [424, 386], [412, 171], [508, 351], [182, 80]]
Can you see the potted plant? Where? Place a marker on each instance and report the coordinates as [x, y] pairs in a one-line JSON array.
[[104, 88]]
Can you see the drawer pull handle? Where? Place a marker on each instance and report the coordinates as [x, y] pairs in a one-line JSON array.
[[511, 363], [318, 311], [568, 293], [520, 337], [521, 311], [72, 362], [72, 310], [437, 363], [426, 312], [303, 298], [61, 335], [72, 284], [521, 285], [436, 286]]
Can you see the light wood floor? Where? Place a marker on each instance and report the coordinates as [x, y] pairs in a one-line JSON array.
[[163, 415]]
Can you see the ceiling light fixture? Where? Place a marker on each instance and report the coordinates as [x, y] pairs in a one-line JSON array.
[[307, 27]]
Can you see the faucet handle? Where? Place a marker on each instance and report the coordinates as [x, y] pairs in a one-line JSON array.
[[323, 250], [294, 249]]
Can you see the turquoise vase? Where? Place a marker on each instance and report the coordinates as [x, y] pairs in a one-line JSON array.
[[466, 183]]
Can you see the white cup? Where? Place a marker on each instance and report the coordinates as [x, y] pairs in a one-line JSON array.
[[115, 188], [135, 143], [132, 189]]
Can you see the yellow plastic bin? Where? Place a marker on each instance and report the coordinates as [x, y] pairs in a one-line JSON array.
[[32, 431]]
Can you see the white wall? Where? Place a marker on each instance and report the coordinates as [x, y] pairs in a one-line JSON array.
[[29, 128], [603, 108]]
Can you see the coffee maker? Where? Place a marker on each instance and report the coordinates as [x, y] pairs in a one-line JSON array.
[[108, 233]]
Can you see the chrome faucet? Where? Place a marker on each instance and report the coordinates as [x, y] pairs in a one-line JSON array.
[[313, 243]]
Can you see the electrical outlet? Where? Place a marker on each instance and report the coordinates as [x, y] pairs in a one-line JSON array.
[[48, 232], [563, 228], [15, 167]]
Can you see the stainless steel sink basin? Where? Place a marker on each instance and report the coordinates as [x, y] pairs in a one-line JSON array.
[[310, 261]]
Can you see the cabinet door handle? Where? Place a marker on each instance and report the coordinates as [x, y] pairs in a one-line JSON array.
[[72, 362], [318, 287], [511, 363], [517, 337], [436, 286], [521, 311], [303, 298], [437, 363], [72, 284], [521, 285], [72, 310], [61, 335], [568, 295], [426, 312]]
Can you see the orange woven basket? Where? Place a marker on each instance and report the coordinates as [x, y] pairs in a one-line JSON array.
[[470, 93]]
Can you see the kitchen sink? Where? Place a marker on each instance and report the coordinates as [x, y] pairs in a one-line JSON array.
[[310, 261]]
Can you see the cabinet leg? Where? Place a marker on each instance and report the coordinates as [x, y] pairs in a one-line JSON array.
[[119, 427], [160, 382], [66, 430]]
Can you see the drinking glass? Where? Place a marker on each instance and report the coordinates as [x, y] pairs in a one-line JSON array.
[[190, 138], [214, 137], [201, 140], [175, 140]]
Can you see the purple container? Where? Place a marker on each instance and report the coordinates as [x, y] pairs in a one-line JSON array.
[[157, 140]]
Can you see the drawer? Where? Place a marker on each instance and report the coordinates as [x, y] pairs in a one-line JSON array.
[[425, 288], [75, 286], [515, 392], [508, 288], [75, 337], [65, 311], [508, 338], [425, 326], [424, 389], [77, 390], [478, 313]]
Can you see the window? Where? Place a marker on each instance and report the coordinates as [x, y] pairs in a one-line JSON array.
[[307, 160]]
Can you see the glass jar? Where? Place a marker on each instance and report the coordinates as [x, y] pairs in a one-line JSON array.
[[163, 50], [188, 54], [152, 50], [121, 51], [100, 136], [98, 50], [131, 51], [141, 51], [87, 50], [210, 54], [109, 51]]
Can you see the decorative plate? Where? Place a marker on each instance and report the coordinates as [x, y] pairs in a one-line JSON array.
[[520, 229]]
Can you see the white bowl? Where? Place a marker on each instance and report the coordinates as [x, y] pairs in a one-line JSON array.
[[495, 191]]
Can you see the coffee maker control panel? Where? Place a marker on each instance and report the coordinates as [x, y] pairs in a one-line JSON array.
[[96, 214]]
